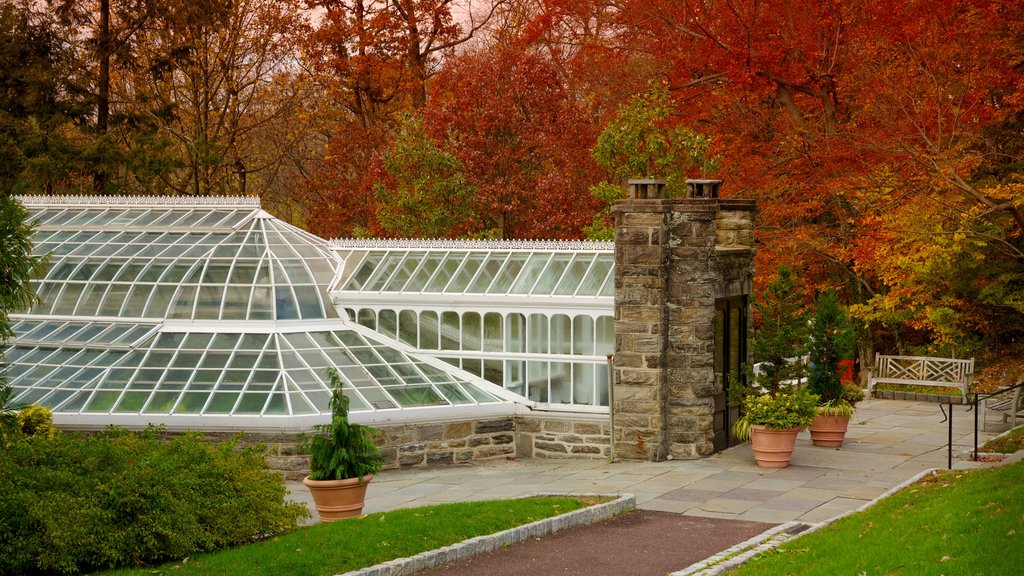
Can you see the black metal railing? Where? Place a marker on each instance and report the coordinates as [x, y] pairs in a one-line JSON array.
[[982, 397]]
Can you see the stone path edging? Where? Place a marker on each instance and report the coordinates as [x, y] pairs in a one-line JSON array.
[[486, 543], [735, 556]]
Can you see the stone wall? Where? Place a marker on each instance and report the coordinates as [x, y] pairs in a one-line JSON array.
[[459, 442], [538, 437], [673, 259]]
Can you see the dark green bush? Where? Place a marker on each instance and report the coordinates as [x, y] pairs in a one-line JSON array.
[[78, 503]]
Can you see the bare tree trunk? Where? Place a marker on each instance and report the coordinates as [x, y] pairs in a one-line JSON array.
[[99, 178]]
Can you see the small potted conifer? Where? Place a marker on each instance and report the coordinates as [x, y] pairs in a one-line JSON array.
[[776, 408], [831, 338], [343, 460]]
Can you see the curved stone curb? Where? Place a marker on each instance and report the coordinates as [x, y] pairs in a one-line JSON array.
[[744, 551], [481, 544]]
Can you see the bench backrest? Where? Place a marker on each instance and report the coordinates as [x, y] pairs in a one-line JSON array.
[[925, 369]]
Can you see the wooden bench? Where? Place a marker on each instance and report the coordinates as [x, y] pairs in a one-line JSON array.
[[922, 371], [1009, 404]]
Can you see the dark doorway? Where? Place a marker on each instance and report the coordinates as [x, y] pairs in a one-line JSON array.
[[730, 354]]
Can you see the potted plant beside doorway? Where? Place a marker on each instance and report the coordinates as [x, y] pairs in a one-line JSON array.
[[343, 460], [776, 408], [831, 339]]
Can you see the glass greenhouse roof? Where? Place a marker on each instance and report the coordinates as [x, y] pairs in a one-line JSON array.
[[484, 268], [180, 262], [208, 312]]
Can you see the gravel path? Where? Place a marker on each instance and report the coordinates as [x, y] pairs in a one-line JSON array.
[[641, 543]]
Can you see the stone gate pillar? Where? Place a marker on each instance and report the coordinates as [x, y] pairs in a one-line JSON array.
[[674, 258]]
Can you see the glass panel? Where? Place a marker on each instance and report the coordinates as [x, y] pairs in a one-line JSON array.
[[388, 323], [595, 279], [516, 330], [488, 272], [583, 335], [407, 327], [416, 396], [552, 274], [605, 341], [426, 270], [492, 332], [537, 334], [460, 283], [583, 382], [471, 331], [537, 381], [384, 271], [309, 302], [561, 383], [367, 318], [445, 272], [450, 331], [530, 273], [284, 304], [364, 272], [429, 331], [574, 274], [503, 282], [494, 371], [401, 276], [561, 334]]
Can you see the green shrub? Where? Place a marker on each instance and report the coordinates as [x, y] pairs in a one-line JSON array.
[[36, 420], [79, 503]]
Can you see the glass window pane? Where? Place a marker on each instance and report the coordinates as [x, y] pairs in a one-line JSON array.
[[460, 282], [367, 318], [388, 323], [492, 332], [561, 334], [595, 278], [503, 281], [530, 273], [450, 331], [516, 331], [574, 274], [552, 274], [537, 334], [583, 335], [471, 331], [561, 383], [429, 331], [583, 382], [488, 272], [445, 272], [426, 270], [605, 341], [407, 327]]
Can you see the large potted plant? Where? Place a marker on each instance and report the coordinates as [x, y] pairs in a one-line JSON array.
[[831, 338], [775, 407], [343, 460]]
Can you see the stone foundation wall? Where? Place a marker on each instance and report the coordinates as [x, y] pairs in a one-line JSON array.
[[459, 442], [562, 438]]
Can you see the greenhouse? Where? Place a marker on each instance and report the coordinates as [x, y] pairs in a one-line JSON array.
[[533, 317], [209, 312]]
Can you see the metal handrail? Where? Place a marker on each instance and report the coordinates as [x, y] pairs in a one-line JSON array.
[[978, 397]]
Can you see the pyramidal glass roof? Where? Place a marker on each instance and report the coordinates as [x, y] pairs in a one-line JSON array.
[[576, 270], [208, 312]]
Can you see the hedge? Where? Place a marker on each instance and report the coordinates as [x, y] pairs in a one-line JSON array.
[[75, 503]]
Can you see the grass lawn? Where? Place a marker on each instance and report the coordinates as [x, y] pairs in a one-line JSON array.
[[1007, 444], [362, 542], [938, 390], [953, 522]]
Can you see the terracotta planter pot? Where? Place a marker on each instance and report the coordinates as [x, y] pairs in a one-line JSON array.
[[829, 431], [338, 499], [773, 448]]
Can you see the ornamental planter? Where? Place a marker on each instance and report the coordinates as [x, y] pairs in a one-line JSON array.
[[773, 448], [829, 430], [338, 499]]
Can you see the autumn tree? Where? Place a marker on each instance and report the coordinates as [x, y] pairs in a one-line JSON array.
[[425, 193], [522, 138]]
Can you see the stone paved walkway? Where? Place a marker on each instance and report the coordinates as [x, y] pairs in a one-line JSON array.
[[889, 441]]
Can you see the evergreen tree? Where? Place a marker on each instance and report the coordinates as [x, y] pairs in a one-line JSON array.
[[781, 338]]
